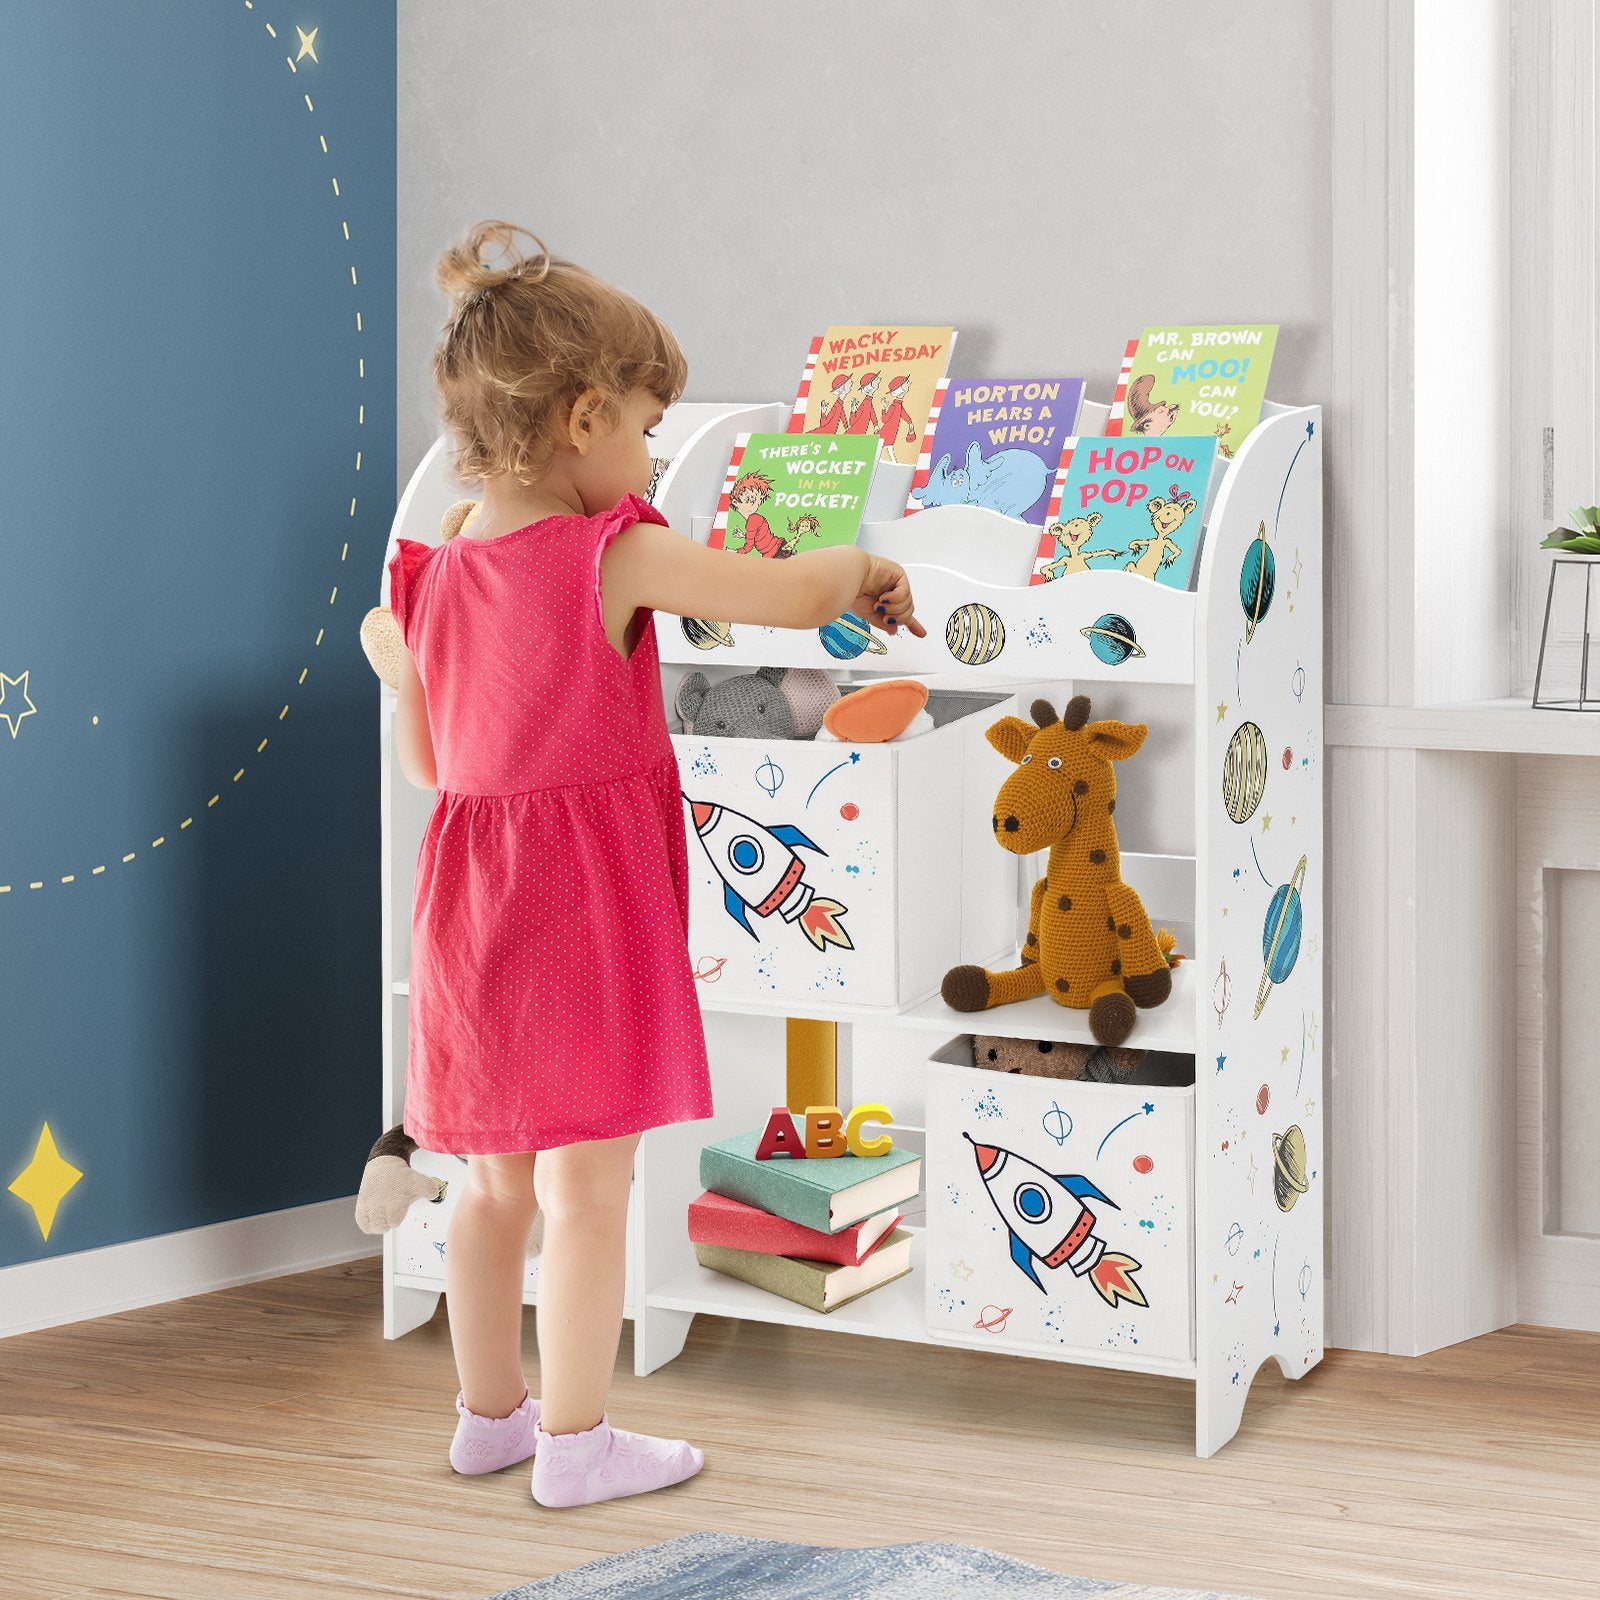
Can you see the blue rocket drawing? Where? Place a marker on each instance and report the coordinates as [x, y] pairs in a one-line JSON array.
[[1049, 1225]]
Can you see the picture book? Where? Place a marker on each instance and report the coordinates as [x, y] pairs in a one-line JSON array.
[[825, 1194], [1194, 380], [717, 1219], [784, 494], [1128, 503], [881, 383], [995, 442], [822, 1285]]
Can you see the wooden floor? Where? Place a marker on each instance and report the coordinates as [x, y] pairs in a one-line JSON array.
[[265, 1443]]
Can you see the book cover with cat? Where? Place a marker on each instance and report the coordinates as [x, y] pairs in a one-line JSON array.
[[1128, 504], [878, 382], [995, 442], [783, 494], [1194, 380]]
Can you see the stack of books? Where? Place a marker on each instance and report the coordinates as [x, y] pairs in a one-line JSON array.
[[820, 1232]]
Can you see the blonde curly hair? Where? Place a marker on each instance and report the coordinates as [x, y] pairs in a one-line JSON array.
[[524, 339]]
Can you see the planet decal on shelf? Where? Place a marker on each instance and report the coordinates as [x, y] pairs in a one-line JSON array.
[[974, 634], [1112, 639], [1288, 1167], [847, 637], [705, 635], [1263, 1100], [1143, 1165], [1244, 772], [1258, 576], [1280, 934]]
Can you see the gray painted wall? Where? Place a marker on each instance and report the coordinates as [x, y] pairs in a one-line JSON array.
[[1004, 167]]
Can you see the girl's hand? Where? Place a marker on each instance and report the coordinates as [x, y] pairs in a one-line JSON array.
[[885, 599]]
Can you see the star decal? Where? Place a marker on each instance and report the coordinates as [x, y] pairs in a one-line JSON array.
[[1233, 1294], [960, 1269], [44, 1181], [18, 702], [1222, 711], [1250, 1175], [1283, 1056], [308, 43], [1220, 1062], [1266, 821], [1296, 568]]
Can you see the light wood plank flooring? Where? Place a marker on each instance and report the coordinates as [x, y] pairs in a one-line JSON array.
[[265, 1443]]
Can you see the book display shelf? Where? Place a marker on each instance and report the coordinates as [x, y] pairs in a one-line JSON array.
[[1205, 1168]]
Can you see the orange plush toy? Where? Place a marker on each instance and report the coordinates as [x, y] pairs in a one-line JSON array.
[[876, 713], [1090, 945]]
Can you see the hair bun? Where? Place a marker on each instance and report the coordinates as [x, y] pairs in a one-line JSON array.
[[462, 272]]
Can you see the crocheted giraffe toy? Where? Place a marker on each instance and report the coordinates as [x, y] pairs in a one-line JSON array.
[[1090, 945]]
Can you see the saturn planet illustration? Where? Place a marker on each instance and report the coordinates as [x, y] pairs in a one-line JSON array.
[[974, 634], [705, 635], [1258, 576], [846, 637], [1112, 639], [1280, 934], [1244, 772], [1288, 1167]]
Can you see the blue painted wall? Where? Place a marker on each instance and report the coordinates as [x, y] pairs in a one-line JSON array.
[[181, 412]]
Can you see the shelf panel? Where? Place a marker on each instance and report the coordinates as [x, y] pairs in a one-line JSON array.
[[892, 1312], [1508, 726], [895, 1311], [1166, 1027]]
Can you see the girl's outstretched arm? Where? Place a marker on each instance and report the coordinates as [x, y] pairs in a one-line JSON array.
[[413, 736], [649, 565]]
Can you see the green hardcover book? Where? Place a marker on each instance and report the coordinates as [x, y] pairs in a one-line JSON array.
[[822, 1193], [822, 1285]]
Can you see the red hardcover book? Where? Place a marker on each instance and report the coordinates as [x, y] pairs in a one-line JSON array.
[[716, 1219]]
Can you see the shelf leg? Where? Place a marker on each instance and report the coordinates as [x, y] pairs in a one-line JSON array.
[[658, 1335], [406, 1308]]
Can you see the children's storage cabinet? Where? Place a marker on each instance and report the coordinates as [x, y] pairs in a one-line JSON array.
[[1199, 1180]]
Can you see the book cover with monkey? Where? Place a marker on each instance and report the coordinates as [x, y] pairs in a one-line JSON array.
[[1194, 380], [879, 383], [785, 492], [1128, 504]]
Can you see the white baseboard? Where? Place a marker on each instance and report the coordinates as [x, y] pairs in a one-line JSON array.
[[173, 1266]]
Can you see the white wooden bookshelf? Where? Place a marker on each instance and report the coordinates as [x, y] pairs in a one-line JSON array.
[[1240, 1273]]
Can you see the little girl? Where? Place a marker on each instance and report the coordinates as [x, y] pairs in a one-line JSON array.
[[553, 1014]]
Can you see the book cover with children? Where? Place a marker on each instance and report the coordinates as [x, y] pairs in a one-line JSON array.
[[784, 494], [1126, 503], [995, 442], [1194, 380], [878, 382]]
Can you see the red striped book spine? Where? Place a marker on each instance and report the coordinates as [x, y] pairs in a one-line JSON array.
[[718, 1219], [925, 454], [1047, 540], [797, 417], [1119, 396], [719, 524]]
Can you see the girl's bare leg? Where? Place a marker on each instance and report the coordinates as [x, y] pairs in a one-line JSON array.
[[484, 1263], [584, 1191]]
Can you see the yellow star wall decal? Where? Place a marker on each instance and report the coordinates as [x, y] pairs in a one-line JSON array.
[[308, 43], [14, 701], [45, 1181]]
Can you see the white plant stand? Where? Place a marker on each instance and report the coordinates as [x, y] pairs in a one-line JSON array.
[[1229, 1229]]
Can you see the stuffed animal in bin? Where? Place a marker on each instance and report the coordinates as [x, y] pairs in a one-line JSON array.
[[1054, 1058], [1090, 945], [769, 703], [390, 1185], [380, 633]]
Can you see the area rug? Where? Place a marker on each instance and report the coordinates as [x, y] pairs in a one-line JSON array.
[[725, 1566]]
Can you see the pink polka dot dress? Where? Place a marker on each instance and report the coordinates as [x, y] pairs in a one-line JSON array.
[[552, 999]]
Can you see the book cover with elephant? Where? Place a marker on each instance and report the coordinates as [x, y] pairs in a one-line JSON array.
[[881, 383], [1128, 504], [996, 443], [1194, 380], [785, 493]]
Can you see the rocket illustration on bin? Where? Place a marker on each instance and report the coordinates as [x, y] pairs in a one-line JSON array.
[[761, 872], [1049, 1224]]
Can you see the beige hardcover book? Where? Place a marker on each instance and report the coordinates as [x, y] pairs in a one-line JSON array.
[[821, 1285]]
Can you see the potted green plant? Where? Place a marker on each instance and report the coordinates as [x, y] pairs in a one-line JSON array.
[[1583, 539]]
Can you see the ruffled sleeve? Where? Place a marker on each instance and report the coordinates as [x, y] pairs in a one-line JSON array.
[[631, 508], [403, 568]]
